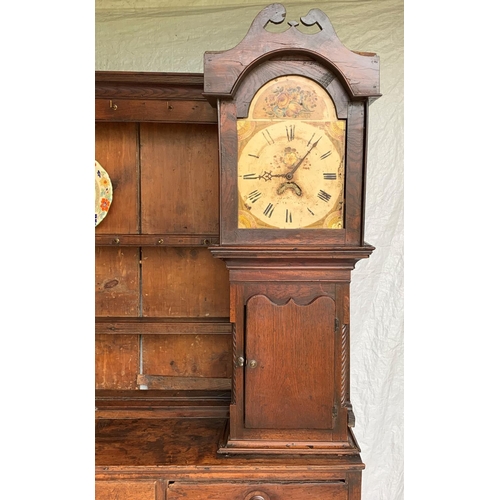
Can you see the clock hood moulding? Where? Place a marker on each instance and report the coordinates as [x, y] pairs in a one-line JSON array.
[[224, 70]]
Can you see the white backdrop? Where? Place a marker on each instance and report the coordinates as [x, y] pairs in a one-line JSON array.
[[171, 36]]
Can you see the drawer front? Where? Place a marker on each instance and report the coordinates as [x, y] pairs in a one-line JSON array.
[[125, 490], [266, 491]]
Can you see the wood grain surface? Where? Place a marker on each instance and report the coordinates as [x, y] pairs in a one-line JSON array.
[[292, 385]]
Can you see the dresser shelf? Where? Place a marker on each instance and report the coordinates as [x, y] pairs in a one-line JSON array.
[[162, 326], [157, 240]]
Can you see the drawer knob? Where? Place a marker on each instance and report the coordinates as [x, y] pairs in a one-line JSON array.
[[257, 495]]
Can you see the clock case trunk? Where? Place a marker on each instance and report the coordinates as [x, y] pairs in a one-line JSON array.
[[289, 288], [291, 328]]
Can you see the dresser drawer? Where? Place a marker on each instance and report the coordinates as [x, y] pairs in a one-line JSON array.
[[266, 491], [125, 490]]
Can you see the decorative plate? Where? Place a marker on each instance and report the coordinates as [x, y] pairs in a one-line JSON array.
[[103, 193]]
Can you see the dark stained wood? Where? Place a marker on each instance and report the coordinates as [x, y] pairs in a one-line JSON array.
[[163, 326], [145, 110], [187, 356], [297, 237], [202, 279], [354, 484], [289, 335], [189, 447], [343, 404], [224, 70], [141, 85], [129, 442], [183, 383], [179, 179], [286, 443], [116, 281], [259, 491], [105, 398], [154, 404], [170, 240], [355, 168], [116, 151], [180, 453], [364, 164], [228, 146], [337, 256], [250, 282], [116, 361]]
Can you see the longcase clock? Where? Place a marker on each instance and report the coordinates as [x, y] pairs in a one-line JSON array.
[[293, 115]]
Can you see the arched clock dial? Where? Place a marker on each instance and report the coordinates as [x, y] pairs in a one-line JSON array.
[[290, 175]]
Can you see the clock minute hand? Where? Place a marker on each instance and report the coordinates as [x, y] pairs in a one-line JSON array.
[[289, 175]]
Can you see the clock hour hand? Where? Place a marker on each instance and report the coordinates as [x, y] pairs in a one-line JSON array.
[[267, 176], [289, 175]]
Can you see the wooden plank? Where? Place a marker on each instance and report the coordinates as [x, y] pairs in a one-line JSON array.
[[184, 282], [105, 398], [125, 490], [179, 179], [262, 491], [170, 412], [183, 383], [116, 151], [165, 240], [144, 85], [293, 398], [187, 356], [145, 110], [163, 326], [116, 361], [162, 403], [355, 157], [164, 79], [116, 281]]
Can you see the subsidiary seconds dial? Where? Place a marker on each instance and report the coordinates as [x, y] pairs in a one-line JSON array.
[[290, 174]]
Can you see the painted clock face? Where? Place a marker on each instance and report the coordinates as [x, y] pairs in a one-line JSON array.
[[291, 158]]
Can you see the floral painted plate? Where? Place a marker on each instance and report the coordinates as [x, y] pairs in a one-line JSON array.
[[103, 193]]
